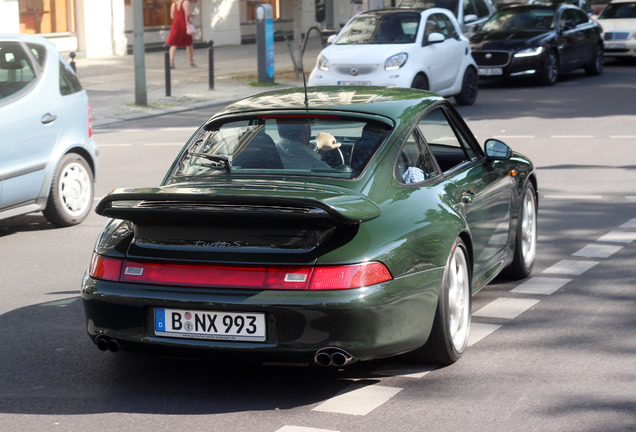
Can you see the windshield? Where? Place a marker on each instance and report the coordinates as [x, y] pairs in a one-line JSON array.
[[521, 19], [283, 145], [371, 28], [619, 11]]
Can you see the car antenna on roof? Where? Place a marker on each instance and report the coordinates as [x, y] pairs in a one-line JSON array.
[[302, 70]]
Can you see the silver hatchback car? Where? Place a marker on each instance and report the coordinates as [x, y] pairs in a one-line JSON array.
[[48, 158]]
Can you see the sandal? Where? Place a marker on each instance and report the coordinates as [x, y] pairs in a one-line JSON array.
[[172, 66], [193, 64]]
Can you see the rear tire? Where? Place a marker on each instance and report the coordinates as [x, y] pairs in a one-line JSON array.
[[595, 66], [451, 326], [470, 88], [526, 236], [71, 196]]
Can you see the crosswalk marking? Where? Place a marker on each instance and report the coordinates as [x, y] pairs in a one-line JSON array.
[[571, 267], [629, 224], [618, 237], [358, 399], [597, 251], [478, 331], [540, 285], [303, 429], [506, 308]]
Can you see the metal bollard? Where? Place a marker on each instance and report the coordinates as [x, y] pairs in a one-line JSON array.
[[167, 68], [72, 54], [211, 63]]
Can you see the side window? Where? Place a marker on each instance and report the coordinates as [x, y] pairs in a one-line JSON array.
[[68, 80], [446, 26], [415, 163], [469, 8], [39, 52], [580, 17], [482, 8], [16, 70], [448, 147]]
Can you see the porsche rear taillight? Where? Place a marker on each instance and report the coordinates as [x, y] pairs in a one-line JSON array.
[[246, 277]]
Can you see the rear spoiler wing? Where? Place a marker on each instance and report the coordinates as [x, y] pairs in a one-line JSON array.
[[331, 204]]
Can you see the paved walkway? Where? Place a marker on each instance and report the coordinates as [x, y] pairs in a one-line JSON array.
[[110, 81]]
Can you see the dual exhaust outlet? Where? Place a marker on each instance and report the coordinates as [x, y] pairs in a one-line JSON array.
[[333, 357], [107, 343]]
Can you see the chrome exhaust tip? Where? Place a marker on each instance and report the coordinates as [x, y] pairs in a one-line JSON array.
[[333, 357]]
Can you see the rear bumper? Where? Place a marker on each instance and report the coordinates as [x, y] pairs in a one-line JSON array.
[[371, 322]]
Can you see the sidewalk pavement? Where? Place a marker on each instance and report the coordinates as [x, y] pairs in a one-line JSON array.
[[110, 81]]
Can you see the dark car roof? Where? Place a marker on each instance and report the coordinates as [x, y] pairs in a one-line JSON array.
[[394, 103]]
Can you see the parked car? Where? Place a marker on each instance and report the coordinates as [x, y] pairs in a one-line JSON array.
[[618, 20], [586, 5], [469, 13], [404, 48], [49, 157], [541, 41], [340, 224]]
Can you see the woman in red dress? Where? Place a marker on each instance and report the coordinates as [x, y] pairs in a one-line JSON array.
[[179, 37]]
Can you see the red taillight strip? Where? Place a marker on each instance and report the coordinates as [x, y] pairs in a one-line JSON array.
[[247, 277]]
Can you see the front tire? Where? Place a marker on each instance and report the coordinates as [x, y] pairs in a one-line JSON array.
[[451, 326], [420, 82], [549, 73], [470, 88], [526, 236], [72, 190]]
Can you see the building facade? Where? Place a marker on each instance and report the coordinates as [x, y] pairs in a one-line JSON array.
[[98, 28]]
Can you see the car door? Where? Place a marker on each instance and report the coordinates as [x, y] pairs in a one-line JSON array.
[[30, 131], [444, 58], [573, 39], [481, 189]]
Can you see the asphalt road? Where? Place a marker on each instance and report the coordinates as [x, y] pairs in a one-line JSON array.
[[552, 353]]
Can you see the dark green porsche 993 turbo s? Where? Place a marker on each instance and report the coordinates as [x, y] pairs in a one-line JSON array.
[[338, 225]]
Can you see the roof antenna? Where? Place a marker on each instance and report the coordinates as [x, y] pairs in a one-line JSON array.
[[302, 69]]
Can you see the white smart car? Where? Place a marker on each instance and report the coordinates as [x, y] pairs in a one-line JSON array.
[[404, 48]]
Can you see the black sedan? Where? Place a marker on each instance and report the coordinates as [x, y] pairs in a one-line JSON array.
[[542, 41]]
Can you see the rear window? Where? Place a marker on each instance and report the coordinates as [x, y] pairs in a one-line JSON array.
[[68, 80], [283, 145]]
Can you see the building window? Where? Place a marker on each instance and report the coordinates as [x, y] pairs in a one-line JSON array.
[[157, 12], [47, 16], [248, 9]]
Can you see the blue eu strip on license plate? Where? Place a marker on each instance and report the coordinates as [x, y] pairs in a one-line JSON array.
[[213, 325]]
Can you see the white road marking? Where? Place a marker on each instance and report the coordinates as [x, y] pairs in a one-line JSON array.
[[574, 197], [395, 369], [572, 136], [571, 267], [163, 144], [597, 251], [505, 308], [478, 331], [358, 400], [541, 285], [503, 137], [630, 223], [113, 145], [618, 237], [303, 429], [623, 136]]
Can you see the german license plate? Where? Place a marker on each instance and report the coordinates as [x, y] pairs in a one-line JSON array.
[[354, 83], [490, 71], [615, 45], [214, 325]]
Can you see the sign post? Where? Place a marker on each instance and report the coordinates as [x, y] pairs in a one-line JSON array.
[[265, 43]]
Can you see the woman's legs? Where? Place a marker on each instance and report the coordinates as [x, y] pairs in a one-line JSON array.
[[190, 51], [173, 50]]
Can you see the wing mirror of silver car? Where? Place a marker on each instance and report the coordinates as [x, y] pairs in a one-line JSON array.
[[497, 150]]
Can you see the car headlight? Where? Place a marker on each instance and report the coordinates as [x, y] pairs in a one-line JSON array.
[[323, 64], [529, 52], [396, 61]]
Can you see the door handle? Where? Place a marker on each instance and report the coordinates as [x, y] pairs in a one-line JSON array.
[[48, 118]]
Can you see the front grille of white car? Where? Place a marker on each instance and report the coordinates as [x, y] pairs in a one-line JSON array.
[[616, 35], [356, 70]]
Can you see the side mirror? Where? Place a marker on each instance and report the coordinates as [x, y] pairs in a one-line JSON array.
[[331, 39], [470, 18], [497, 150], [435, 38]]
